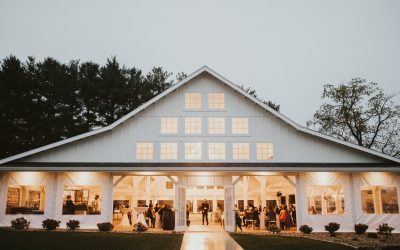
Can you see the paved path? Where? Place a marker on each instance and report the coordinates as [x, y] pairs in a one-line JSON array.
[[210, 237]]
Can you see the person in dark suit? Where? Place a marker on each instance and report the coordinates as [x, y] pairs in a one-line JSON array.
[[204, 210], [69, 206]]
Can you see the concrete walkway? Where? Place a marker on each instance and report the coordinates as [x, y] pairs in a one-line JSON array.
[[210, 237]]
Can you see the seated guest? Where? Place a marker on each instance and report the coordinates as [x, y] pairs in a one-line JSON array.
[[256, 216]]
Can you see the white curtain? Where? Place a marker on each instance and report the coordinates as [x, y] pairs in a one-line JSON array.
[[318, 221], [54, 185], [362, 180]]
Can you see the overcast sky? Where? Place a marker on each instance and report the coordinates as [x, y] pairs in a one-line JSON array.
[[286, 50]]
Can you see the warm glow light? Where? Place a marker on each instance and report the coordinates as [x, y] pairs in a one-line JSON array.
[[27, 178], [323, 178]]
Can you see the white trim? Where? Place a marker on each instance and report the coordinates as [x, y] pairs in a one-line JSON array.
[[176, 86]]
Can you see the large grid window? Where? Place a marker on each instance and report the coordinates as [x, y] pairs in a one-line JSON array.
[[26, 199], [216, 125], [216, 101], [216, 151], [169, 151], [325, 199], [192, 101], [265, 151], [193, 125], [240, 151], [144, 151], [379, 200], [240, 125], [193, 151], [169, 125], [169, 185]]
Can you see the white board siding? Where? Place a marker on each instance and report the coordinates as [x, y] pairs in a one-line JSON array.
[[118, 145]]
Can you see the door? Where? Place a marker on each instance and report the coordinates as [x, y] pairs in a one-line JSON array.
[[180, 208], [229, 214]]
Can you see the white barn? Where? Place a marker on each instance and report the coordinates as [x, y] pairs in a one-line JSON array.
[[203, 138]]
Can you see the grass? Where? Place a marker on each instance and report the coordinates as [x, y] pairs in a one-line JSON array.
[[257, 242], [42, 240]]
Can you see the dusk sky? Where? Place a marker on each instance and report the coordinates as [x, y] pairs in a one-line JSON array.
[[285, 50]]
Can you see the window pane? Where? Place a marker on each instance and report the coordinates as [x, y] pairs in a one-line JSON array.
[[216, 125], [216, 151], [193, 151], [216, 101], [240, 125], [390, 204], [193, 125], [265, 151], [367, 201], [240, 151], [325, 199], [169, 151], [192, 101], [82, 200], [379, 200], [169, 125], [25, 199], [169, 185], [144, 151]]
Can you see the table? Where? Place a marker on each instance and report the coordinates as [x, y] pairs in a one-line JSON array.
[[253, 223]]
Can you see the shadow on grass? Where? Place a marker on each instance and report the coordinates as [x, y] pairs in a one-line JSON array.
[[275, 242], [42, 240]]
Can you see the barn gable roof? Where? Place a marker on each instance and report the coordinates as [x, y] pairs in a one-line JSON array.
[[203, 69]]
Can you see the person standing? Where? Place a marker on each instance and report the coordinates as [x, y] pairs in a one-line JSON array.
[[69, 206], [97, 204], [204, 210]]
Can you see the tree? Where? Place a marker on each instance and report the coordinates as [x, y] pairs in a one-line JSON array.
[[252, 92], [47, 101], [360, 112]]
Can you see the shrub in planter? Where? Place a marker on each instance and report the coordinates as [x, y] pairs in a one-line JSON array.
[[50, 224], [139, 227], [73, 224], [384, 229], [360, 228], [105, 226], [20, 223], [274, 229], [332, 228], [372, 235], [305, 229]]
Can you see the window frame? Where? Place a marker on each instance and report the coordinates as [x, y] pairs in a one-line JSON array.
[[137, 151]]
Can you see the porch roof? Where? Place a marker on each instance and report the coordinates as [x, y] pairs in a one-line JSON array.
[[183, 167]]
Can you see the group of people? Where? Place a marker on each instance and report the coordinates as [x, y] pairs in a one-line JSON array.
[[70, 205], [158, 216], [281, 216], [286, 216]]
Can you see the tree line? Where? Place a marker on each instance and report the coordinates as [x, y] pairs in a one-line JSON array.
[[42, 102]]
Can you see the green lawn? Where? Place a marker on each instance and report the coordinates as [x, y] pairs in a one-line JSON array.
[[41, 240], [258, 242]]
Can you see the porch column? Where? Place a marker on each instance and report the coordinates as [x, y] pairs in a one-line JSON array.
[[300, 200], [245, 190], [135, 191], [262, 197], [229, 202], [3, 198], [107, 208], [148, 190], [180, 206]]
